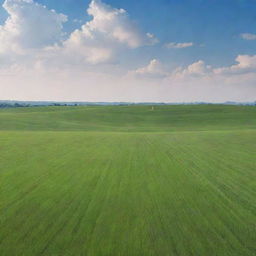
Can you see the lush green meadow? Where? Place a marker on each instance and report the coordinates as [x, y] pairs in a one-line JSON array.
[[126, 180]]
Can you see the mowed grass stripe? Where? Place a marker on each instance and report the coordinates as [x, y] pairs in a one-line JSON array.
[[29, 159], [185, 207], [48, 187], [232, 170], [234, 207]]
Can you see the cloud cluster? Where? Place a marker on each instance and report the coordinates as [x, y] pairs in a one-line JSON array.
[[29, 26], [245, 64], [198, 68], [109, 31], [155, 69]]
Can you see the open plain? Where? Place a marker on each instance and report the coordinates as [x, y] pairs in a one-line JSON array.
[[126, 180]]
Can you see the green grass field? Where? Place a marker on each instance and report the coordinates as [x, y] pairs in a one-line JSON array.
[[125, 180]]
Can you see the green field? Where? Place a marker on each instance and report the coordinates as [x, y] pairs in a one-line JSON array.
[[125, 180]]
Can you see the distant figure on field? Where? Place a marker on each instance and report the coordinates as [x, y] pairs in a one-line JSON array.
[[153, 108]]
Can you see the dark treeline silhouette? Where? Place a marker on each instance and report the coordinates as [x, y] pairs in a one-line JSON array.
[[14, 105]]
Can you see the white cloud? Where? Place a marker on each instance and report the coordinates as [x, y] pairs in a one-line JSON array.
[[245, 69], [248, 36], [33, 30], [245, 64], [29, 26], [109, 31], [198, 68], [178, 45], [154, 69]]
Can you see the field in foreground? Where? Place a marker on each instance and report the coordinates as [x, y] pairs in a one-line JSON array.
[[179, 180]]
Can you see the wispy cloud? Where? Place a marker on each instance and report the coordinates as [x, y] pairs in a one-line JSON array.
[[178, 45], [248, 36]]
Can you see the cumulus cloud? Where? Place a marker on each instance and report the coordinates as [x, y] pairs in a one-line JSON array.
[[248, 36], [198, 68], [29, 26], [178, 45], [109, 31], [154, 69], [34, 30], [245, 64]]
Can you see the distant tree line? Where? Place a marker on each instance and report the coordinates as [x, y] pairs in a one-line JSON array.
[[14, 105], [22, 104]]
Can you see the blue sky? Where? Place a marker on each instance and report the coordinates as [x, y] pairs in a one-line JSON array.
[[213, 26], [216, 24]]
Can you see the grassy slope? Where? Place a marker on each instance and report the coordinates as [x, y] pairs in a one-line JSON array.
[[129, 118], [73, 183]]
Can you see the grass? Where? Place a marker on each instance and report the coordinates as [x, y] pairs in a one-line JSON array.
[[179, 180], [129, 118]]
